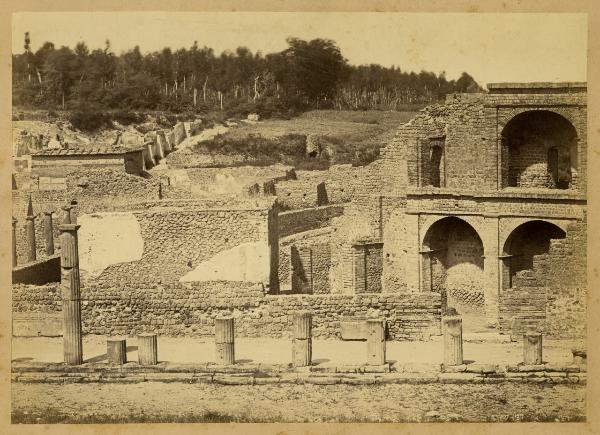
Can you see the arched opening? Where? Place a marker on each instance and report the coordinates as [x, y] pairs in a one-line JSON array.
[[523, 244], [540, 149], [452, 265]]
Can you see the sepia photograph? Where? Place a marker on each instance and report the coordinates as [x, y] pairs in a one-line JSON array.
[[298, 217]]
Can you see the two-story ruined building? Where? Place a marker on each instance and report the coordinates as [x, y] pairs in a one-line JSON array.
[[482, 199]]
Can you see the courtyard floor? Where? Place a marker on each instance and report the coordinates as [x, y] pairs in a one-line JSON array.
[[423, 355]]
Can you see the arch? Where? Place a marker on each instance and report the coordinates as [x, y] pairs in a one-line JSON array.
[[452, 264], [524, 242], [539, 150]]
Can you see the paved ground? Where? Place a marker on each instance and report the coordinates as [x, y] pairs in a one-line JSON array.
[[179, 402], [278, 351]]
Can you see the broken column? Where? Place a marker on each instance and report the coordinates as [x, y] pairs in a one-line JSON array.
[[73, 212], [116, 350], [302, 341], [375, 342], [224, 341], [14, 242], [452, 330], [30, 231], [70, 294], [147, 349], [48, 232], [532, 348], [66, 214]]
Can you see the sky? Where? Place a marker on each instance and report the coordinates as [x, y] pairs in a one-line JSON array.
[[522, 47]]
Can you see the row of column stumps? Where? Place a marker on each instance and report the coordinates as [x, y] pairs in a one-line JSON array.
[[68, 217], [453, 343], [116, 349]]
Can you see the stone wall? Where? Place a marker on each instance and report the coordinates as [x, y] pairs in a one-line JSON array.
[[190, 309], [297, 221], [341, 183], [189, 241], [551, 296]]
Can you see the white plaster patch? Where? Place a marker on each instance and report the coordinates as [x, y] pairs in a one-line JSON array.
[[246, 262], [106, 239]]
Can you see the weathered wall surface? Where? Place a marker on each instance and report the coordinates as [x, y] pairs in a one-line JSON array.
[[551, 296], [342, 184], [297, 221], [178, 241], [190, 309]]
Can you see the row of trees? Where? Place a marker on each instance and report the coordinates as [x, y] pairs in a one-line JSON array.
[[308, 74]]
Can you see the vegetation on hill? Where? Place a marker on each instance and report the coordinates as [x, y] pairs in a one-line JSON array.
[[335, 137], [306, 75]]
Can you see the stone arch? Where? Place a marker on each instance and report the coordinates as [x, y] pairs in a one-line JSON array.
[[525, 241], [539, 149], [452, 264]]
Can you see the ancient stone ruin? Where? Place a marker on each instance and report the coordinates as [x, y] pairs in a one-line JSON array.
[[476, 208]]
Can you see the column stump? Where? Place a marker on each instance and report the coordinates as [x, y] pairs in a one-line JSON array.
[[375, 342], [116, 349], [453, 346], [532, 348], [147, 349], [302, 341], [224, 341]]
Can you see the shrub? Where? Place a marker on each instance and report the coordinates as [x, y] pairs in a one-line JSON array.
[[127, 117], [89, 119]]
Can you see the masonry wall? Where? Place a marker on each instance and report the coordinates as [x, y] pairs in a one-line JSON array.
[[62, 165], [552, 295], [93, 190], [190, 310], [177, 240], [297, 221]]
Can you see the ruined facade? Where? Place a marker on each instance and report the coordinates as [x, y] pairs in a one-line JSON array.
[[482, 200]]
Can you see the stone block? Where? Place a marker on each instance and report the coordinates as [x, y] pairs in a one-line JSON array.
[[353, 330], [453, 369]]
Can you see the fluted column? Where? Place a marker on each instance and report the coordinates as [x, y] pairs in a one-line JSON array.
[[453, 350], [147, 349], [48, 233], [224, 340], [70, 293], [532, 348], [30, 232], [375, 342], [302, 341], [14, 242]]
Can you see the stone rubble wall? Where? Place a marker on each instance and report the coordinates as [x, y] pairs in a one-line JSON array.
[[550, 297], [298, 221], [342, 184], [190, 309]]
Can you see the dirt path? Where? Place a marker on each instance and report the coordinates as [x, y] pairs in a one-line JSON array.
[[178, 402]]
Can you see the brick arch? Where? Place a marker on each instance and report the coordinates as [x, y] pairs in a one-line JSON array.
[[520, 246], [508, 226], [472, 220], [539, 149], [570, 114], [452, 264]]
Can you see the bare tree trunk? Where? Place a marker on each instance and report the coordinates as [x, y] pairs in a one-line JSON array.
[[166, 89], [204, 89], [221, 99], [184, 84], [195, 96], [256, 95], [63, 100]]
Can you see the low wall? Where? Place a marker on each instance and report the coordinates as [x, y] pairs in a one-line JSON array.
[[38, 272], [190, 310], [297, 221]]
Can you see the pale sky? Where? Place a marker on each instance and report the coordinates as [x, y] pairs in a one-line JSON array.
[[491, 47]]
